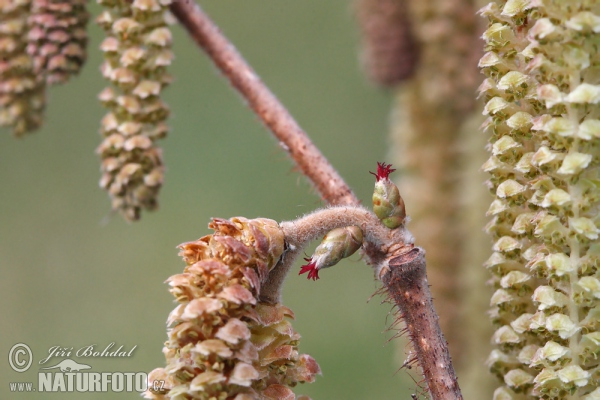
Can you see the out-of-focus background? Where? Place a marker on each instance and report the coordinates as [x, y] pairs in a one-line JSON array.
[[73, 274]]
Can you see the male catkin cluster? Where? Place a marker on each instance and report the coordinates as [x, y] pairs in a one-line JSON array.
[[22, 97], [223, 343], [542, 93], [137, 52], [57, 38]]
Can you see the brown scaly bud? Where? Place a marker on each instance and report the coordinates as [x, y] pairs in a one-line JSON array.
[[223, 343], [336, 245], [21, 91], [137, 52], [390, 52], [57, 38], [387, 202]]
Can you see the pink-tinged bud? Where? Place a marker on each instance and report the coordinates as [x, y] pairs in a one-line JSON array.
[[387, 202], [336, 245]]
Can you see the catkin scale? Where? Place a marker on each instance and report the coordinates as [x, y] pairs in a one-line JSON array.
[[542, 98]]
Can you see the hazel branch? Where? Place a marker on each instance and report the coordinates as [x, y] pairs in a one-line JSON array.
[[402, 269], [381, 245], [379, 241], [326, 180], [407, 285]]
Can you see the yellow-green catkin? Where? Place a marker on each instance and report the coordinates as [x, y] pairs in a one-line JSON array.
[[57, 38], [542, 97], [427, 118], [22, 94], [137, 52], [223, 342]]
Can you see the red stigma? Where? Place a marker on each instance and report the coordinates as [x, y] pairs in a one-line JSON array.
[[311, 268], [383, 171]]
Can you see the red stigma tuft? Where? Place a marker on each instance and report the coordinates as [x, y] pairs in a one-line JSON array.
[[383, 171], [311, 268]]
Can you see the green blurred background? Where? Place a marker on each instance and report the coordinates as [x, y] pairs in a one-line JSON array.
[[74, 274]]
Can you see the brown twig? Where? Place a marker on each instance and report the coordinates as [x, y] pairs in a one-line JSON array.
[[300, 232], [263, 102], [436, 363], [406, 281]]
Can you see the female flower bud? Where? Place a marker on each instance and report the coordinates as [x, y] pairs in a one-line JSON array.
[[387, 202], [337, 244]]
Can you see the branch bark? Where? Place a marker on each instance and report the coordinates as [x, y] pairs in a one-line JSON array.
[[406, 281], [326, 180], [435, 362]]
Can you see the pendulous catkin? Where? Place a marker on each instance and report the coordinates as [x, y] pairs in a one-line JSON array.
[[542, 93], [22, 92], [389, 50], [57, 38], [136, 51], [428, 115], [223, 342]]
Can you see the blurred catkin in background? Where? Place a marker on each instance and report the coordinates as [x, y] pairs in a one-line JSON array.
[[22, 91], [389, 49], [57, 38], [41, 42], [436, 144]]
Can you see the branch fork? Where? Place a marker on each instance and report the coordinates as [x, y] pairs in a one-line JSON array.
[[388, 248]]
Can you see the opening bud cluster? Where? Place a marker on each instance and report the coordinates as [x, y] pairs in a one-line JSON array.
[[223, 342]]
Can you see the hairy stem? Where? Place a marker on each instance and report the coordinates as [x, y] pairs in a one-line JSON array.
[[407, 280], [326, 180], [378, 239], [400, 266]]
